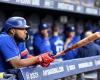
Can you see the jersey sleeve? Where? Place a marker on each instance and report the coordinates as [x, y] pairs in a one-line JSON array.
[[9, 49], [23, 51]]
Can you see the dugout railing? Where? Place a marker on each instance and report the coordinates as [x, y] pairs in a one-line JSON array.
[[59, 69]]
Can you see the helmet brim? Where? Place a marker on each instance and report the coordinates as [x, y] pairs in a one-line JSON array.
[[26, 26], [22, 27]]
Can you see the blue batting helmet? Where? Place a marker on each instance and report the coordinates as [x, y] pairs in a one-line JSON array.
[[43, 26], [15, 22]]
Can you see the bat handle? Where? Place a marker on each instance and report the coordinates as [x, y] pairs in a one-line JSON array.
[[54, 56], [57, 55]]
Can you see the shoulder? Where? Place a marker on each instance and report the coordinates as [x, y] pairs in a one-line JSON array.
[[5, 37], [76, 38], [51, 38], [37, 36]]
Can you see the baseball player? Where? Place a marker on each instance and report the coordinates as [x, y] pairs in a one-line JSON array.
[[13, 52], [41, 41], [56, 43], [70, 39], [92, 48]]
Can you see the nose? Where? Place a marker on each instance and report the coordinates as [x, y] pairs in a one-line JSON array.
[[26, 31]]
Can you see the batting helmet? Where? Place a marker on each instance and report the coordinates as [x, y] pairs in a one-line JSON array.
[[15, 22], [43, 26]]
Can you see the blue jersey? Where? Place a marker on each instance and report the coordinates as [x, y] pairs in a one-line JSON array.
[[41, 45], [73, 53], [88, 50], [57, 44], [10, 50], [24, 53]]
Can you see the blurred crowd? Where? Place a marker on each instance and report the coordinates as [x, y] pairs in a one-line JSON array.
[[55, 36]]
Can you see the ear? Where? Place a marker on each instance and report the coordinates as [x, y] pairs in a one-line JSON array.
[[12, 31]]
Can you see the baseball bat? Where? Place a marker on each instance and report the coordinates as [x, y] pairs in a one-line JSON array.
[[81, 43]]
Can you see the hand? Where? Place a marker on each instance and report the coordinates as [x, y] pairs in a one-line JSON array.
[[45, 59]]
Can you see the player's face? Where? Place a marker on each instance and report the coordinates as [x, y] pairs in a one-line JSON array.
[[71, 34], [44, 32], [21, 34]]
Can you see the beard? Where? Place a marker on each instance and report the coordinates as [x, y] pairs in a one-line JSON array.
[[18, 39]]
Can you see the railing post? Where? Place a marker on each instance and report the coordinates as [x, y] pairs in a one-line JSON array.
[[98, 74]]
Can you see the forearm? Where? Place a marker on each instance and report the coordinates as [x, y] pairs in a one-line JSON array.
[[17, 63], [29, 61]]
